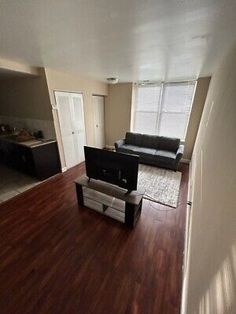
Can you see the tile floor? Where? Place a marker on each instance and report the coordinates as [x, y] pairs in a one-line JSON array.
[[13, 183]]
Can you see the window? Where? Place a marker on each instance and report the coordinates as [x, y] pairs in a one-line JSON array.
[[147, 101], [163, 109]]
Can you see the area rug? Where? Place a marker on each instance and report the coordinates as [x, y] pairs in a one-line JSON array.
[[160, 185]]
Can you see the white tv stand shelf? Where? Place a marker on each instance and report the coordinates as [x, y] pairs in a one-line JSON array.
[[109, 200]]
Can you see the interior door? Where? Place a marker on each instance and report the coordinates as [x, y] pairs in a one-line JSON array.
[[71, 120], [64, 115], [78, 125], [99, 130]]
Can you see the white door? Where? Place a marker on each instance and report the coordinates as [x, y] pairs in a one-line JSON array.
[[71, 120], [99, 130], [78, 125]]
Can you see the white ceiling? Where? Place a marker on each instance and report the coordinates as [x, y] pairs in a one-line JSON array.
[[131, 39]]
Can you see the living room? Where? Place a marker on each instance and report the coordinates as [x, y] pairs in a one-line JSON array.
[[117, 157]]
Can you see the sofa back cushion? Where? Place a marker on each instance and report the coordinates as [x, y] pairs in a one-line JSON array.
[[150, 141], [133, 139], [169, 143]]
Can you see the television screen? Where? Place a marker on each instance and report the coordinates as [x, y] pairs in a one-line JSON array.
[[116, 168]]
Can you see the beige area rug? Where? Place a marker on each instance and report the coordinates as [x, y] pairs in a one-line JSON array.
[[160, 185]]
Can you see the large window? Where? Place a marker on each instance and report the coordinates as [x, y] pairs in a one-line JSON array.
[[163, 109]]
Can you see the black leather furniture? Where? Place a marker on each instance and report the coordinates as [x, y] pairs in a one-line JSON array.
[[154, 150]]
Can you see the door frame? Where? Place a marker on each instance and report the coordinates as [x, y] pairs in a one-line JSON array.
[[57, 125], [103, 96]]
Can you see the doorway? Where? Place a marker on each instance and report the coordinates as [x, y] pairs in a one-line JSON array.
[[71, 120], [99, 130]]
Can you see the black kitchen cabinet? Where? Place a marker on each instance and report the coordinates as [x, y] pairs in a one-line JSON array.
[[41, 161], [24, 160], [46, 160]]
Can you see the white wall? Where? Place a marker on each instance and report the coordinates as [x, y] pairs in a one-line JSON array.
[[211, 269]]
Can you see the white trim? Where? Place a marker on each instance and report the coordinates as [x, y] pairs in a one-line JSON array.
[[110, 147], [64, 169], [66, 91], [57, 111], [185, 161], [94, 120], [58, 135], [185, 267], [132, 112]]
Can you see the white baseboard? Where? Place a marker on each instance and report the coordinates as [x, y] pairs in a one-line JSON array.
[[187, 243], [185, 161], [110, 147], [64, 169]]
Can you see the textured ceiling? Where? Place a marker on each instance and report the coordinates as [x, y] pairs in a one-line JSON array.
[[134, 40]]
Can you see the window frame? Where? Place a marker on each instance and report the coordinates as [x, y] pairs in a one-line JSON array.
[[160, 104]]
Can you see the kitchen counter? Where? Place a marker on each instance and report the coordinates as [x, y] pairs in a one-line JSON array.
[[36, 143], [36, 157], [30, 143]]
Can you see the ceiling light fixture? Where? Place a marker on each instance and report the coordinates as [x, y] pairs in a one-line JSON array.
[[112, 80]]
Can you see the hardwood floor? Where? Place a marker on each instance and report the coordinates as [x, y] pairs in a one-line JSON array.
[[56, 258]]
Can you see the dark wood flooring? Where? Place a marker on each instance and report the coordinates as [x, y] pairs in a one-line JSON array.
[[56, 258]]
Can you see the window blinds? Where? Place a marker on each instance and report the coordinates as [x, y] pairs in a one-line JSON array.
[[163, 109]]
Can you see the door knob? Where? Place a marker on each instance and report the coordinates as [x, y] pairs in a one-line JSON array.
[[73, 132]]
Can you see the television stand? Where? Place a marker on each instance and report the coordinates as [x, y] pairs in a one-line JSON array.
[[109, 200], [128, 192]]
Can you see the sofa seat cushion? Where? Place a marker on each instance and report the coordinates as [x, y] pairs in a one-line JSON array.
[[166, 156], [127, 149], [145, 152]]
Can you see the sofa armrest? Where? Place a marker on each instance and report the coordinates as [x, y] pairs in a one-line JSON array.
[[119, 143], [179, 153]]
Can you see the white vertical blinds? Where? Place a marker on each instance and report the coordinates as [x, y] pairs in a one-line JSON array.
[[147, 109], [163, 109]]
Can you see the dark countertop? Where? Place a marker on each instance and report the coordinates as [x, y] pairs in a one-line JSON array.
[[30, 143]]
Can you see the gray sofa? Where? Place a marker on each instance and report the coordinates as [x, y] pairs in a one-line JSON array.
[[159, 151]]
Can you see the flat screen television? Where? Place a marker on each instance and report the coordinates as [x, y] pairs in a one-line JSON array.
[[115, 168]]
